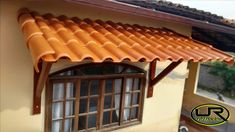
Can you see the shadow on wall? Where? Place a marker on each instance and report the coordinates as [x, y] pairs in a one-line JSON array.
[[174, 75]]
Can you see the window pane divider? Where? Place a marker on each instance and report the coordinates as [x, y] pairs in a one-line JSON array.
[[101, 104], [88, 103], [105, 110], [128, 107], [112, 102], [142, 91], [57, 119], [131, 92], [77, 104], [107, 94], [91, 96], [64, 107], [68, 117], [89, 113], [134, 91], [69, 99], [123, 93]]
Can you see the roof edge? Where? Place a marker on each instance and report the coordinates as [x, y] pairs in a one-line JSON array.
[[153, 14]]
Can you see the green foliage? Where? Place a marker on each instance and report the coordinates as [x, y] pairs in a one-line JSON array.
[[226, 72]]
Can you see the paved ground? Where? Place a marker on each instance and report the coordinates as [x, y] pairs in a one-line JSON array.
[[214, 96]]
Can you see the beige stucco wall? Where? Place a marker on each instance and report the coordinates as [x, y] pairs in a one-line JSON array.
[[192, 99], [16, 84]]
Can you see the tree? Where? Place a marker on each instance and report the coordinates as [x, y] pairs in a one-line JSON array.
[[227, 73]]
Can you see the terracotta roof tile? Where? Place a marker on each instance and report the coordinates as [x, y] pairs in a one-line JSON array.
[[50, 38]]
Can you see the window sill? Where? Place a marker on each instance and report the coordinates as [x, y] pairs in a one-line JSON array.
[[124, 125], [215, 100]]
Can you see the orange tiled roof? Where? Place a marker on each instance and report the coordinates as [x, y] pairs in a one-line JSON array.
[[50, 38]]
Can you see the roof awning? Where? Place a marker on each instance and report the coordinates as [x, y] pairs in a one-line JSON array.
[[51, 38]]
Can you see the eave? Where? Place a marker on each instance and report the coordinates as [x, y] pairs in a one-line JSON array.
[[153, 14]]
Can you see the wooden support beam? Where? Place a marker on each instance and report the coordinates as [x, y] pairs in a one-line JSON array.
[[154, 80], [152, 72], [39, 82], [165, 72]]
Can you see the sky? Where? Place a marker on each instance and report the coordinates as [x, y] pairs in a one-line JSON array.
[[225, 8]]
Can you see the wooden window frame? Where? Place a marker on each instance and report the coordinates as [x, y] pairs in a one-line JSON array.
[[77, 80]]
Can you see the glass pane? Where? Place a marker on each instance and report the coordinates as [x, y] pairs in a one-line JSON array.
[[83, 105], [67, 73], [134, 112], [77, 72], [127, 100], [118, 69], [106, 118], [117, 101], [135, 98], [107, 102], [118, 85], [56, 126], [108, 69], [93, 104], [57, 110], [99, 70], [70, 90], [129, 82], [69, 108], [136, 84], [130, 70], [84, 88], [126, 114], [94, 70], [115, 115], [94, 87], [108, 86], [91, 120], [68, 125], [58, 91], [81, 122]]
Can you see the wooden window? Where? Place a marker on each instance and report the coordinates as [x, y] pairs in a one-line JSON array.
[[94, 97]]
